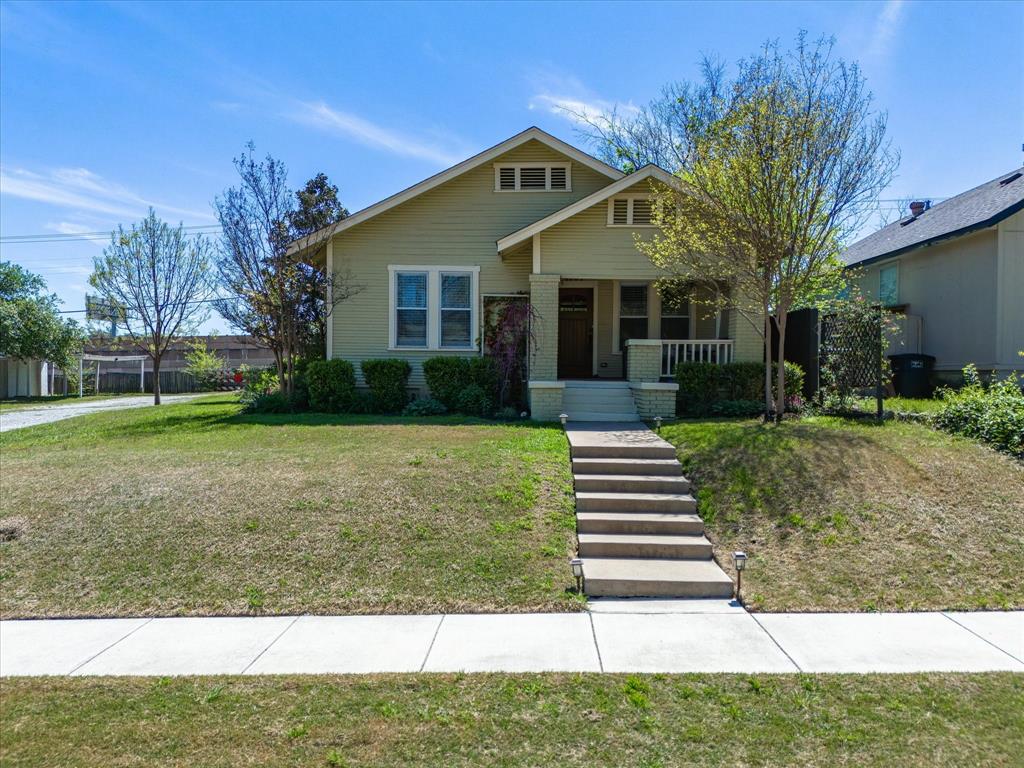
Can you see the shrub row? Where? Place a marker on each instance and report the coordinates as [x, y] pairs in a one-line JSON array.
[[457, 385], [466, 385], [994, 414], [729, 389]]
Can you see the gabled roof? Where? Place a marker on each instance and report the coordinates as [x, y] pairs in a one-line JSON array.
[[530, 134], [978, 208], [647, 172]]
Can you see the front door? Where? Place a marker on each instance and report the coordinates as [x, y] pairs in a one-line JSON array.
[[575, 333]]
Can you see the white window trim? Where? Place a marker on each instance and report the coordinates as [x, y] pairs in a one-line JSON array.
[[434, 306], [629, 211], [547, 176]]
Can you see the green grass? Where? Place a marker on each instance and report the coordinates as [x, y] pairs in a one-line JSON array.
[[198, 509], [902, 404], [41, 401], [839, 515], [516, 720]]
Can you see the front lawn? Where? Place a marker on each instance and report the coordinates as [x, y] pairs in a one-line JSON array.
[[516, 720], [197, 509], [840, 515]]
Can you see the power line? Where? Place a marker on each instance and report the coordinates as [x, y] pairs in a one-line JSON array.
[[55, 237]]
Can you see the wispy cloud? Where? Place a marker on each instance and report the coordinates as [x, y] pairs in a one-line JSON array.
[[883, 33], [567, 97], [79, 189], [324, 117]]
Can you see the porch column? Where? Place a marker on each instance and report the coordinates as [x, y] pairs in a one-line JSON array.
[[652, 396], [544, 355], [545, 389], [747, 343]]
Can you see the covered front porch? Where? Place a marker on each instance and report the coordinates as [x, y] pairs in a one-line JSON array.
[[601, 328]]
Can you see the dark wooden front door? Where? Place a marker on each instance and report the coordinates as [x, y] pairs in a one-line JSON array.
[[575, 333]]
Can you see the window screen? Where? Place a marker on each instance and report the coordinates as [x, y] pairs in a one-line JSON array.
[[411, 309]]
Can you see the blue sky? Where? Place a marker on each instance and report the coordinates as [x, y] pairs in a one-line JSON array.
[[107, 108]]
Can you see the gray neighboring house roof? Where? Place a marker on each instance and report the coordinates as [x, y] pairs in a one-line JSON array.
[[978, 208]]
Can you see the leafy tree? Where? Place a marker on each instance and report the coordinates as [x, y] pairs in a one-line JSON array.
[[319, 207], [161, 277], [205, 365], [30, 324], [775, 167], [266, 290]]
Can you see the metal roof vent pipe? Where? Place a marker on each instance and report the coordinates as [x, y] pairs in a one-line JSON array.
[[918, 207]]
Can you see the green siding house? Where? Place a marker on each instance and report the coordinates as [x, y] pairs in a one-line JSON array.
[[533, 217]]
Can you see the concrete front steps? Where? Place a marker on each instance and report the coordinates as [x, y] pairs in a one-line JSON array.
[[639, 534], [599, 401]]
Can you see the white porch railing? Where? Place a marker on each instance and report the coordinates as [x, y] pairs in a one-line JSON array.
[[675, 351]]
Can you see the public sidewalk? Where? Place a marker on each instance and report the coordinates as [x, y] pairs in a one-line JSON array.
[[614, 636]]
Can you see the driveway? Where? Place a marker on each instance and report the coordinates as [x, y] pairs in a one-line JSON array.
[[44, 414]]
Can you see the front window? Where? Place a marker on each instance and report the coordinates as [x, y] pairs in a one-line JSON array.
[[888, 286], [433, 307], [411, 309], [456, 309], [632, 313], [675, 316]]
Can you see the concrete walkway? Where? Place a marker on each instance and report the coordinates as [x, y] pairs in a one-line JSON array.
[[615, 636], [44, 414]]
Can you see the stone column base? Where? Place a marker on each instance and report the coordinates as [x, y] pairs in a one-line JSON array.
[[546, 400], [655, 399]]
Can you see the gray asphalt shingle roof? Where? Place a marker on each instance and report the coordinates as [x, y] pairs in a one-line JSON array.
[[976, 208]]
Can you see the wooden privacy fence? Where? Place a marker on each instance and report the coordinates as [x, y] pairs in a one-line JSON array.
[[171, 382]]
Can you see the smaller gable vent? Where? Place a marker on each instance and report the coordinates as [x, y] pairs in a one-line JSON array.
[[559, 179], [620, 211], [507, 178]]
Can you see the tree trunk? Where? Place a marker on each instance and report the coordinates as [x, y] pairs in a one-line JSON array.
[[780, 395], [767, 365], [156, 380]]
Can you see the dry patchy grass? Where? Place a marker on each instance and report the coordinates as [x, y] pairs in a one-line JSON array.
[[516, 720], [838, 515], [197, 509]]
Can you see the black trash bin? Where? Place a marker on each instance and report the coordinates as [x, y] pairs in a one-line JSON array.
[[912, 374]]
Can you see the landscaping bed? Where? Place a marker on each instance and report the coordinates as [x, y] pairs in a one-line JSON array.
[[516, 720], [842, 515], [197, 509]]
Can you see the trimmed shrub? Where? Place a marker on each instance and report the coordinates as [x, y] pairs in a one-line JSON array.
[[272, 402], [463, 384], [332, 386], [737, 408], [994, 415], [426, 406], [388, 381], [473, 401], [702, 385]]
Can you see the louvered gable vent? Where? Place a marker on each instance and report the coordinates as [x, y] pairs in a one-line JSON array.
[[533, 178], [558, 178], [641, 211], [506, 178], [620, 211]]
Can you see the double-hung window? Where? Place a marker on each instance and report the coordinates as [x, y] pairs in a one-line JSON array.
[[675, 316], [632, 313], [433, 307]]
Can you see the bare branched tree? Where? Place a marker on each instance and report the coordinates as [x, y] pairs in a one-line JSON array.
[[161, 279]]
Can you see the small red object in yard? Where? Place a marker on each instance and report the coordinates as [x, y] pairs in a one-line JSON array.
[[238, 377]]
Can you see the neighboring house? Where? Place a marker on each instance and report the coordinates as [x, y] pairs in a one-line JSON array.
[[24, 378], [956, 271], [532, 217]]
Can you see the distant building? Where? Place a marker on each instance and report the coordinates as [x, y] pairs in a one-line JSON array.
[[234, 350], [955, 271]]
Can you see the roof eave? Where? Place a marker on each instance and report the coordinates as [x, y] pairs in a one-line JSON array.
[[530, 134], [989, 222]]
